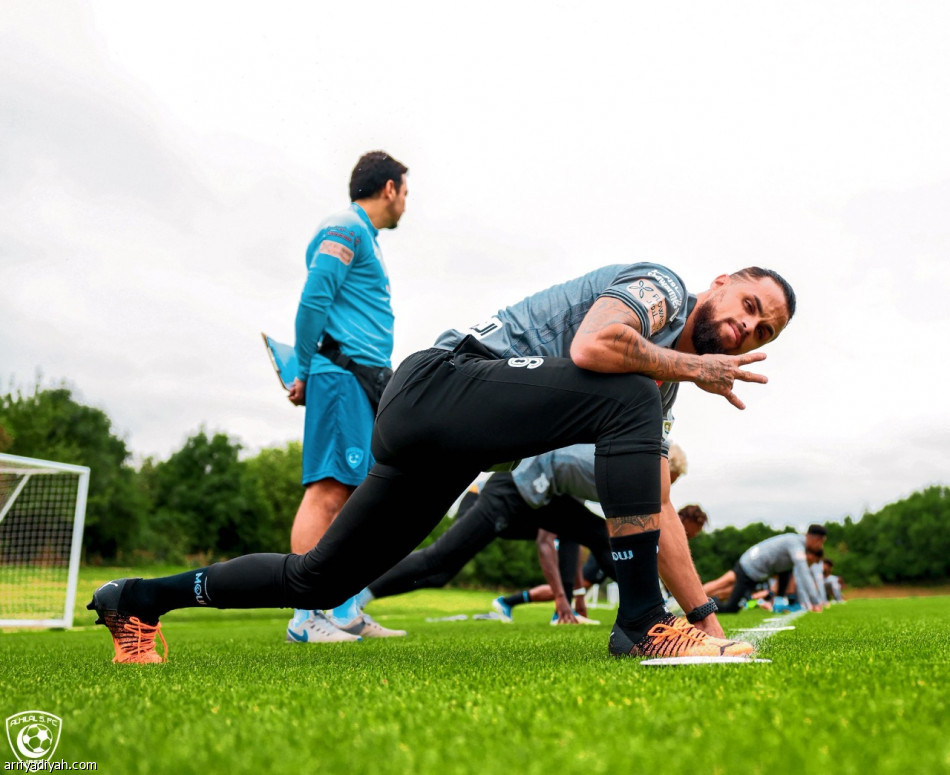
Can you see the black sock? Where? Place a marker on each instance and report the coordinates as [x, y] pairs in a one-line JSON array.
[[517, 599], [641, 602], [251, 581], [148, 599]]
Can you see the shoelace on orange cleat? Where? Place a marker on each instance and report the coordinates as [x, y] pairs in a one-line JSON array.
[[662, 631], [683, 623], [138, 639], [665, 635]]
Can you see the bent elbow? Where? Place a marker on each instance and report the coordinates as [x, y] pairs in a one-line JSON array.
[[583, 355]]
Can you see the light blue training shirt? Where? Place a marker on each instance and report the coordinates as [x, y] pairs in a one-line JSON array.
[[346, 295]]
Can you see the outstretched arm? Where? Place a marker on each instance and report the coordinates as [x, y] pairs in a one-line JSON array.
[[610, 340], [675, 561], [805, 585], [547, 557], [819, 579]]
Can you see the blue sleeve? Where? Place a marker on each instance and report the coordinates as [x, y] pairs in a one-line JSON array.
[[329, 265]]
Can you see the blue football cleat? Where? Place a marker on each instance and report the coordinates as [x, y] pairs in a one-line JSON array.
[[502, 608]]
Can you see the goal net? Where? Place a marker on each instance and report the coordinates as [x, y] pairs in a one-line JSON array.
[[42, 507]]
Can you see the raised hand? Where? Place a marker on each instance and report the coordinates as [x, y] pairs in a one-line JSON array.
[[718, 374]]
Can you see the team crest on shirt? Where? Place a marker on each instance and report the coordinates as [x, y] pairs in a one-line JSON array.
[[354, 456], [645, 292]]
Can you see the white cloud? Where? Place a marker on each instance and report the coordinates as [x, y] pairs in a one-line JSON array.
[[161, 174]]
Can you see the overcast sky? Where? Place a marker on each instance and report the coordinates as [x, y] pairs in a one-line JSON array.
[[163, 167]]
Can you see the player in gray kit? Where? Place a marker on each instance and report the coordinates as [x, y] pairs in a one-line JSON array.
[[597, 359], [831, 582], [545, 492], [773, 556], [571, 471]]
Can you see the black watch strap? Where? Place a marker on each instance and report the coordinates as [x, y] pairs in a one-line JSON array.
[[702, 611]]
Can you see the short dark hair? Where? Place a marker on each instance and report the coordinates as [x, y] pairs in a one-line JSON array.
[[757, 272], [829, 563], [817, 530], [372, 172], [694, 513]]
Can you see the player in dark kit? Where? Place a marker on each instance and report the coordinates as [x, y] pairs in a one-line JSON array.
[[597, 359]]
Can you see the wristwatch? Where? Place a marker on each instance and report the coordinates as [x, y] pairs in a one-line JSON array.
[[700, 612]]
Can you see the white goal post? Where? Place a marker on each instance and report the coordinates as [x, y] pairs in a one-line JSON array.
[[42, 510]]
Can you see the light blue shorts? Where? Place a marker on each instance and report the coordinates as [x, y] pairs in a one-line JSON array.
[[338, 425]]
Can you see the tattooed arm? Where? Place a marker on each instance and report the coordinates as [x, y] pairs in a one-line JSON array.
[[678, 571], [610, 340]]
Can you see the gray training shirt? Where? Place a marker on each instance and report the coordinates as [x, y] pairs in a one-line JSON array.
[[778, 554], [544, 324], [567, 471]]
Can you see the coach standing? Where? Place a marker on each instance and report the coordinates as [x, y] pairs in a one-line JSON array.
[[344, 344]]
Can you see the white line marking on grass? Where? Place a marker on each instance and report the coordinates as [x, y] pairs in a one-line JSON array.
[[704, 661], [756, 636], [764, 629]]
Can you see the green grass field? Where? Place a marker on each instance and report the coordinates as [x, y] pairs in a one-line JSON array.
[[860, 688]]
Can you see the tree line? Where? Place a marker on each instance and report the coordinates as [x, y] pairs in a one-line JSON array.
[[208, 502]]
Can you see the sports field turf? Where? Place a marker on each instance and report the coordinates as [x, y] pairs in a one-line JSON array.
[[860, 688]]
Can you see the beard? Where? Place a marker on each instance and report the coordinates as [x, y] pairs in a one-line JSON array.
[[706, 339]]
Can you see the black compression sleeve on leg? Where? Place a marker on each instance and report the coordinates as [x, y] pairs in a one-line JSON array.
[[628, 483], [251, 581]]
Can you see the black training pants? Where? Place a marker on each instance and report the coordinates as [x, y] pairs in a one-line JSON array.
[[744, 586], [499, 511], [444, 417]]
